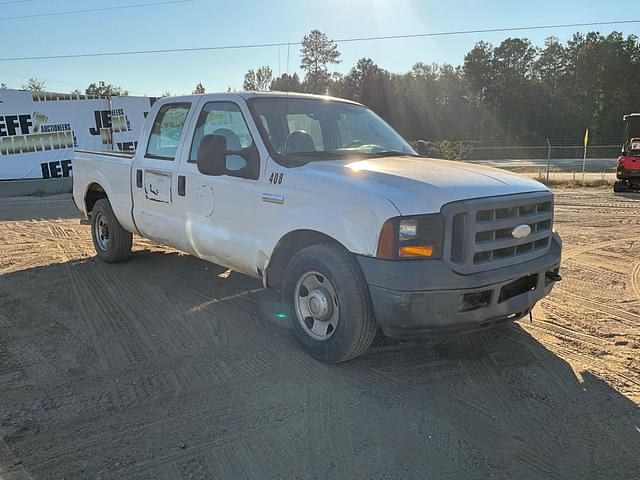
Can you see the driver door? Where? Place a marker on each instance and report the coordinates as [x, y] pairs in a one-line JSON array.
[[222, 214]]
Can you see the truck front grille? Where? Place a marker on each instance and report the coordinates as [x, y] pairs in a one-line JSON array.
[[481, 231]]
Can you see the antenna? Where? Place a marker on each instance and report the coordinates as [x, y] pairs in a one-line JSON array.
[[286, 102]]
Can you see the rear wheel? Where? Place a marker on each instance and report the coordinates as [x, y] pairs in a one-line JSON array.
[[328, 304], [111, 241]]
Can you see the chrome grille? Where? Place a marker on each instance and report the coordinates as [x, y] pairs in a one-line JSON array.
[[480, 234]]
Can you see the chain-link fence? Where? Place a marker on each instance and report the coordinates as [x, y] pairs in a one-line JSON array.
[[479, 151], [545, 158]]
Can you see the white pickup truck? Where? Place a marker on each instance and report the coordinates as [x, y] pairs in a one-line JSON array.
[[323, 200]]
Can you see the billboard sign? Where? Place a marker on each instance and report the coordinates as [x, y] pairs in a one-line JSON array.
[[39, 131]]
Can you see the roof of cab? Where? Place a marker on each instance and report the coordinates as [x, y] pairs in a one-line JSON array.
[[248, 95]]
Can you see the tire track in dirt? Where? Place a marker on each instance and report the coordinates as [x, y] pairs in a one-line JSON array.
[[573, 317], [320, 412], [460, 415], [494, 392], [570, 253], [570, 334], [119, 302], [560, 377], [578, 352], [616, 354], [144, 306], [149, 385], [586, 359], [223, 411], [635, 281], [455, 413], [10, 467], [628, 318], [353, 379], [93, 319]]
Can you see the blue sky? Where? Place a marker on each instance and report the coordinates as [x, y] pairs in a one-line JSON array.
[[211, 22]]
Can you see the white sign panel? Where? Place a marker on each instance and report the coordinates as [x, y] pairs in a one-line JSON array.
[[39, 131]]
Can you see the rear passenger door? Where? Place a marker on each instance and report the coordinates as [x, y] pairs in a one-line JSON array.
[[155, 179]]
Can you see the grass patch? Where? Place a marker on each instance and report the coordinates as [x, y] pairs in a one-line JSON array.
[[573, 183]]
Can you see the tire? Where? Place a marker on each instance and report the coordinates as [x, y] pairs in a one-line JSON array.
[[620, 186], [343, 328], [111, 241]]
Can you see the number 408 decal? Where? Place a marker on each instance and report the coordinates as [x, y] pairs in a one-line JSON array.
[[276, 178]]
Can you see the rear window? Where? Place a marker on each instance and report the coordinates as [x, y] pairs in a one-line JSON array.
[[166, 131]]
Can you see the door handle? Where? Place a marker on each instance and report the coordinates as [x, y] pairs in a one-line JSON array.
[[182, 185], [139, 178]]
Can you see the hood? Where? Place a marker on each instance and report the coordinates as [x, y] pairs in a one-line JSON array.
[[424, 185]]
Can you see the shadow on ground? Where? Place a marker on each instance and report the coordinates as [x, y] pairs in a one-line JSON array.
[[162, 368], [22, 208]]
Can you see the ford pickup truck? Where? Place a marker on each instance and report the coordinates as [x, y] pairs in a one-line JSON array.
[[324, 201]]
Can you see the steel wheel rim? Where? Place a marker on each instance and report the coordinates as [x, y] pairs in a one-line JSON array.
[[101, 232], [316, 305]]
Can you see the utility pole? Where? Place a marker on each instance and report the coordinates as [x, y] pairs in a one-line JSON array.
[[548, 158], [584, 158]]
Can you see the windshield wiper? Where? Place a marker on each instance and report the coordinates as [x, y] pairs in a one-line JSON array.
[[316, 154], [393, 153]]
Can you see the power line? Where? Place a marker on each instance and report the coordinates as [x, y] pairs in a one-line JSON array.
[[17, 1], [486, 30], [90, 10], [289, 44]]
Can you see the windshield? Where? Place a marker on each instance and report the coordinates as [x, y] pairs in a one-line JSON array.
[[631, 131], [316, 129]]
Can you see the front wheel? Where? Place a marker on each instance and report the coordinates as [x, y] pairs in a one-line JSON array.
[[620, 186], [111, 241], [328, 304]]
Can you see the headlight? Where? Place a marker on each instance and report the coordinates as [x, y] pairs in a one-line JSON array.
[[408, 229], [411, 237]]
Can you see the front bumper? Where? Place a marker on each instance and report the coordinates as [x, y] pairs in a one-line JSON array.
[[426, 298], [626, 173]]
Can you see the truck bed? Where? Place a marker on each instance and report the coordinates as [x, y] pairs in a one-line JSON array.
[[112, 171]]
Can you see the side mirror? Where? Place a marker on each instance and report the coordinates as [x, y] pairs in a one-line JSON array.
[[212, 155], [422, 148]]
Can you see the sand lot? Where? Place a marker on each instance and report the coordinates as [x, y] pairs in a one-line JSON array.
[[165, 367]]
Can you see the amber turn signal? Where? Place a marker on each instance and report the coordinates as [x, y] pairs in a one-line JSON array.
[[386, 241], [417, 251]]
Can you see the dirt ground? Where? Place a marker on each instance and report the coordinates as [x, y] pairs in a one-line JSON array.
[[165, 367]]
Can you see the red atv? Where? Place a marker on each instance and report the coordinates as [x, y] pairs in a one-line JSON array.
[[628, 171]]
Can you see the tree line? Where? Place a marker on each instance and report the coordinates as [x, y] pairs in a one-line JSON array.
[[511, 93]]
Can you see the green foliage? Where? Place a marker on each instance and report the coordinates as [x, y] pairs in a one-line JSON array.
[[258, 80], [512, 93], [105, 89], [199, 90], [287, 83], [34, 85], [446, 149], [318, 51]]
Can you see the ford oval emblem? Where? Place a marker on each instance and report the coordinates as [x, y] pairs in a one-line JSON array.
[[521, 231]]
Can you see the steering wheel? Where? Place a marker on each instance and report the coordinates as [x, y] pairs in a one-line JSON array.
[[355, 143]]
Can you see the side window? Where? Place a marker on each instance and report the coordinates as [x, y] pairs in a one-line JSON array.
[[226, 119], [166, 131]]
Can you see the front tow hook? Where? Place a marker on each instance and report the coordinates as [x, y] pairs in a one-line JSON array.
[[553, 276]]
